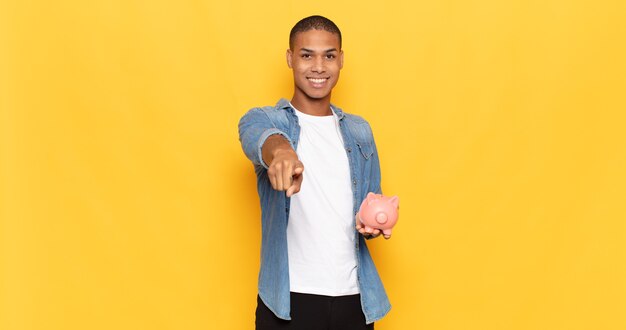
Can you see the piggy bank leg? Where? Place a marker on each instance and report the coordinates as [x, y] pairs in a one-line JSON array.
[[387, 232]]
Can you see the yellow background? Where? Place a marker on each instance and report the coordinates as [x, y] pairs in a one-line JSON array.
[[126, 202]]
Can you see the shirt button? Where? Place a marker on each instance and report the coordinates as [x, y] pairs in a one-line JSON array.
[[349, 149], [354, 182]]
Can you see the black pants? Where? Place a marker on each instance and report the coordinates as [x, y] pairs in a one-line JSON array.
[[314, 312]]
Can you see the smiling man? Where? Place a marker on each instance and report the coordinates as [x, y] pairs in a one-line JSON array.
[[314, 165]]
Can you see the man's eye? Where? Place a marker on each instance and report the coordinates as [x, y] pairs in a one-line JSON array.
[[306, 55], [330, 56]]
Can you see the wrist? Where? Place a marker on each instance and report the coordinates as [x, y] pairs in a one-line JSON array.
[[283, 151]]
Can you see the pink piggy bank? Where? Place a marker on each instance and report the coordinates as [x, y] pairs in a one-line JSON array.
[[379, 212]]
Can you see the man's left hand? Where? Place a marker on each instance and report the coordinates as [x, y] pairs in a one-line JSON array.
[[369, 232]]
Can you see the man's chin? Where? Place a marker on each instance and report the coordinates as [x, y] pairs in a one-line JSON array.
[[317, 96], [313, 94]]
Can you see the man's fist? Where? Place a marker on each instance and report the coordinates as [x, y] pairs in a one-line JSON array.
[[285, 172], [285, 169]]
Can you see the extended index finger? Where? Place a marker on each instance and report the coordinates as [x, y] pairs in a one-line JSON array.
[[287, 175]]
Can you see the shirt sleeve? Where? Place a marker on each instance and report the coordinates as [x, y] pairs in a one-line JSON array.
[[375, 177], [254, 128]]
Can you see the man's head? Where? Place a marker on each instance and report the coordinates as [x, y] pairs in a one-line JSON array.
[[315, 56], [314, 22]]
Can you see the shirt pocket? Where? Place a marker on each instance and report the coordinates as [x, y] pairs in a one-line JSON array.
[[365, 149]]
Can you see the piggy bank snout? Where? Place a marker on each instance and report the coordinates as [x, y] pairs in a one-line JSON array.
[[380, 212], [381, 217]]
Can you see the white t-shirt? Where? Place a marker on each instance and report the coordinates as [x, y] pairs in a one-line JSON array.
[[320, 232]]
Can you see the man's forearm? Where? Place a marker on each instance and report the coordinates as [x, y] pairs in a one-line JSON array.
[[274, 145]]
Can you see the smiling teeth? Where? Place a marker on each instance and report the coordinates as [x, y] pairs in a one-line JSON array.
[[317, 81]]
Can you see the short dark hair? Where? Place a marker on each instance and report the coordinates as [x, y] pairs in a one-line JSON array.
[[314, 22]]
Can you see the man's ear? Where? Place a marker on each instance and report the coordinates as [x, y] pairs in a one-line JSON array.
[[341, 60], [289, 54]]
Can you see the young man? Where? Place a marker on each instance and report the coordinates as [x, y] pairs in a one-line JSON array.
[[314, 165]]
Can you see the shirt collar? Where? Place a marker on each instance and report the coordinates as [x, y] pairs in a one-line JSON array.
[[284, 104]]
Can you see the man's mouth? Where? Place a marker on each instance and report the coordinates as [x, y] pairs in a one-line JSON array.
[[317, 80]]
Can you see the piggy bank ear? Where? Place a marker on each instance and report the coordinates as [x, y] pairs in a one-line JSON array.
[[370, 197], [395, 201]]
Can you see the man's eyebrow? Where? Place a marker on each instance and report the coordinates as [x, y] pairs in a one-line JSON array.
[[306, 50]]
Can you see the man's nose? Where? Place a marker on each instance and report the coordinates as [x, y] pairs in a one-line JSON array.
[[318, 65]]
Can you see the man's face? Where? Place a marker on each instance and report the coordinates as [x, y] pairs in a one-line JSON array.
[[316, 59]]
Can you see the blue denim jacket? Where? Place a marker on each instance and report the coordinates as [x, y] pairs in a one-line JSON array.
[[254, 128]]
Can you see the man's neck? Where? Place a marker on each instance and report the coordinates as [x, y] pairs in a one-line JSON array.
[[313, 107]]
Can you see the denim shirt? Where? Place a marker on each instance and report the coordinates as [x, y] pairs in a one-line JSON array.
[[254, 128]]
